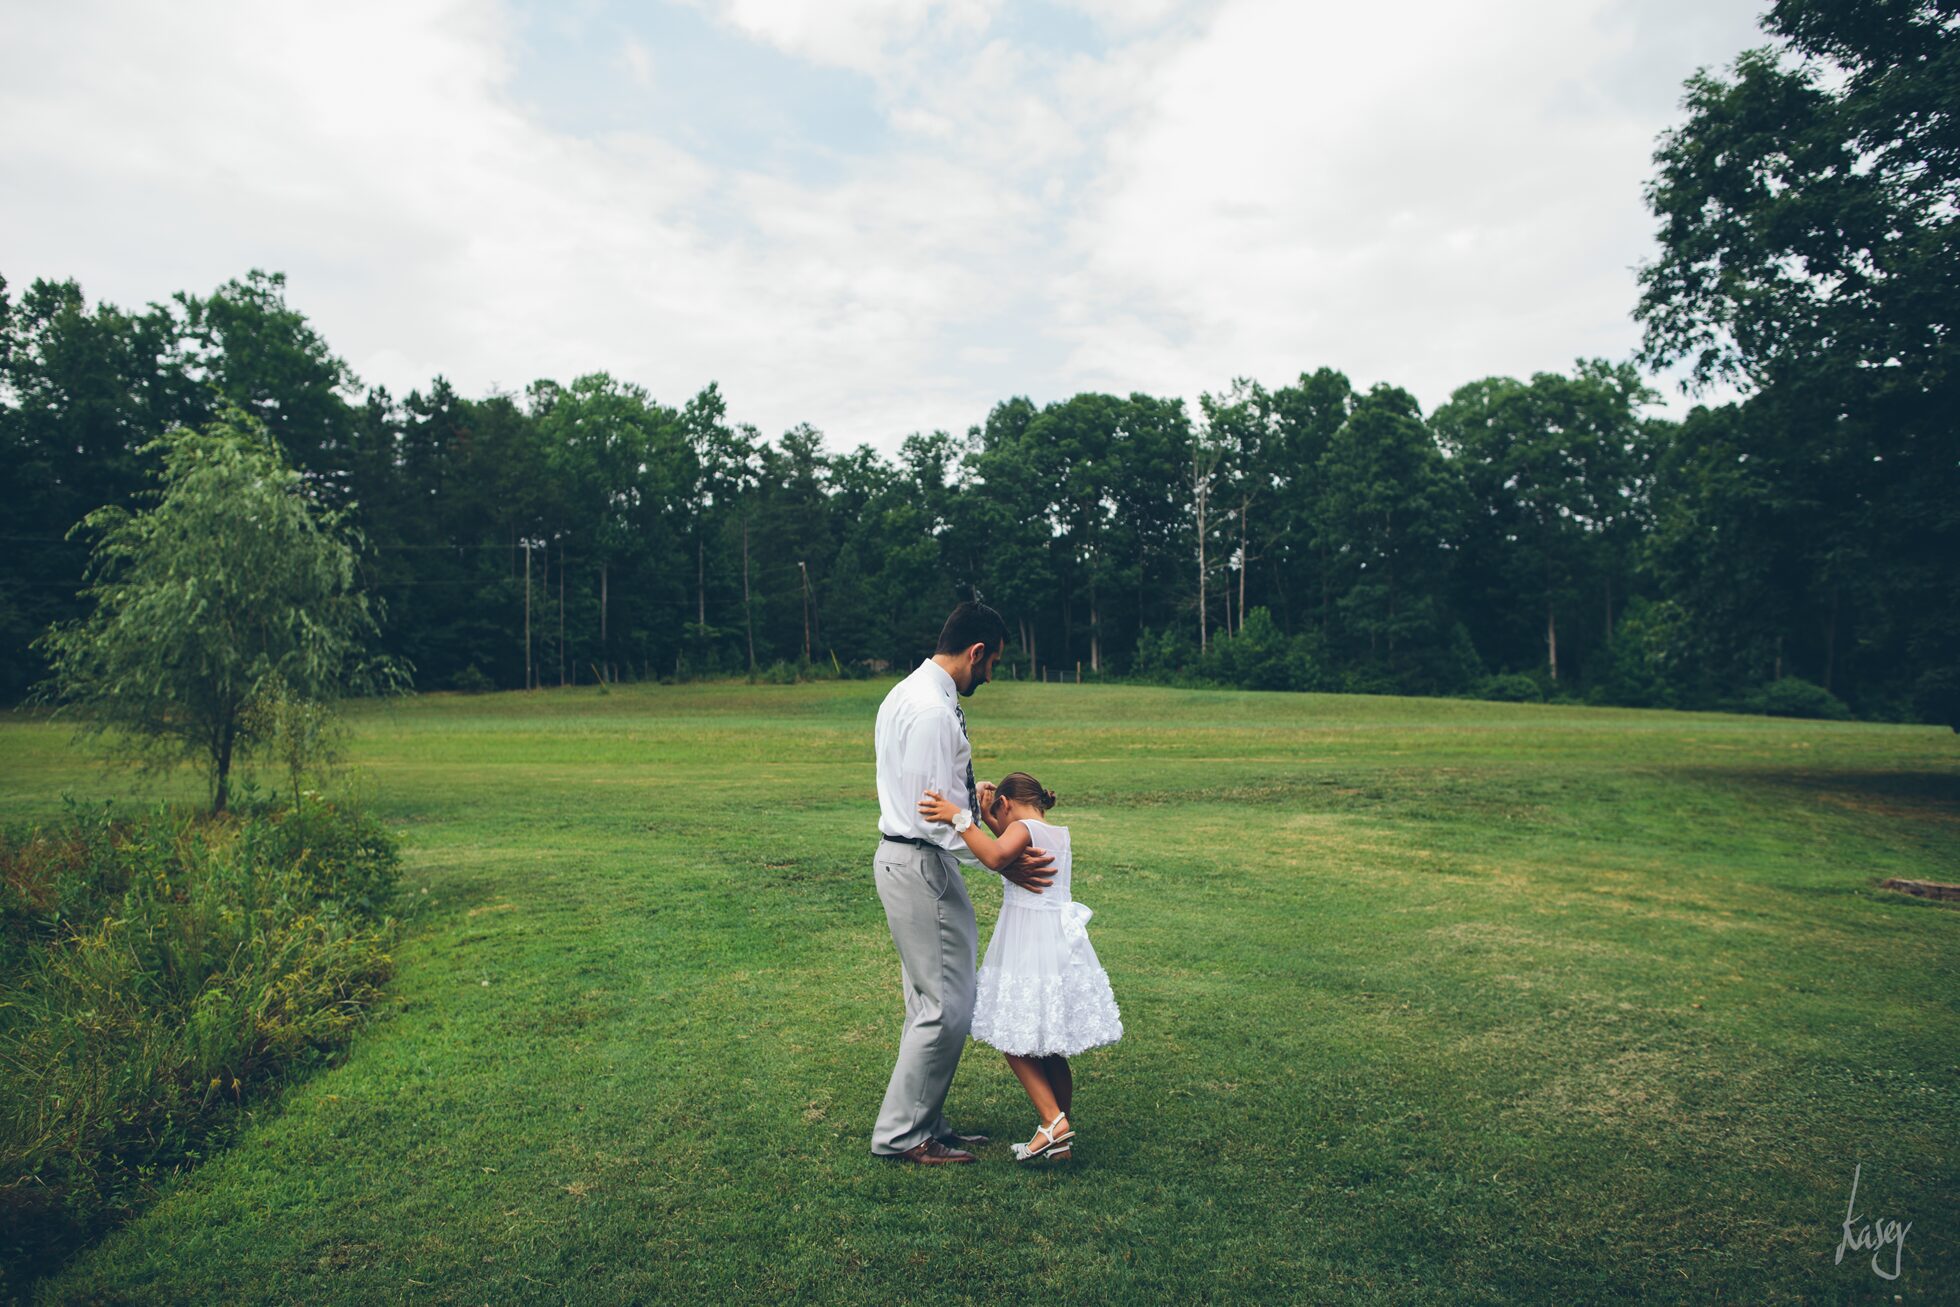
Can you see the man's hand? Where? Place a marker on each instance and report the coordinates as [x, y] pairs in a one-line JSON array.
[[1031, 870]]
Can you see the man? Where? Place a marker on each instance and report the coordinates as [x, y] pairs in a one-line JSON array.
[[922, 744]]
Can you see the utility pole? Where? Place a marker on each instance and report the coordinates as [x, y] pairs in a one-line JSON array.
[[806, 608], [527, 614], [561, 613], [748, 614], [605, 644]]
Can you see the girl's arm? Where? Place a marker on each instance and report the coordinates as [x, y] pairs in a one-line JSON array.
[[995, 854]]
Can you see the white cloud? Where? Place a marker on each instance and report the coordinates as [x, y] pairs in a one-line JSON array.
[[1254, 188], [428, 225], [638, 60], [1129, 16], [858, 34], [1423, 195]]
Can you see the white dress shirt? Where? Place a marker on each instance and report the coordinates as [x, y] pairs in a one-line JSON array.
[[921, 747]]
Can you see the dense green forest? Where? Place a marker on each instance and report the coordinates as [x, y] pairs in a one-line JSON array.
[[1528, 537]]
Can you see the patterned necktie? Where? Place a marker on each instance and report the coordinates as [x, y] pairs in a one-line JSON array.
[[972, 792]]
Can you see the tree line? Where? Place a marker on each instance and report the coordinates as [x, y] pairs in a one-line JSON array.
[[1529, 537]]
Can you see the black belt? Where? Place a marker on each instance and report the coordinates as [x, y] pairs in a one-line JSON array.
[[912, 840]]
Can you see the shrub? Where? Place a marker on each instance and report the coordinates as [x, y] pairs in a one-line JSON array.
[[1165, 656], [51, 879], [1631, 670], [1307, 663], [339, 857], [1936, 696], [1456, 665], [161, 972], [1369, 679], [472, 680], [1258, 656], [1795, 697], [1252, 658], [1511, 687]]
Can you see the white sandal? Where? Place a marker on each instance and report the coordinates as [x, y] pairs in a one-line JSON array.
[[1023, 1153]]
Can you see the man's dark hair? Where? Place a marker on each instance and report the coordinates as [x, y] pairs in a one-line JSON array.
[[969, 624]]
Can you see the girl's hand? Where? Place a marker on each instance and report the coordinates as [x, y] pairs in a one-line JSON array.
[[935, 808], [993, 808]]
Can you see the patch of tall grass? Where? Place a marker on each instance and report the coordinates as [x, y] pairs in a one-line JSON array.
[[159, 976]]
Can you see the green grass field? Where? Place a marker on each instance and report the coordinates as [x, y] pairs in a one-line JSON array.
[[1425, 1001]]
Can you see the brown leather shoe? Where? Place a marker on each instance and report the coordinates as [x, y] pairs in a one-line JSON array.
[[963, 1141], [932, 1153]]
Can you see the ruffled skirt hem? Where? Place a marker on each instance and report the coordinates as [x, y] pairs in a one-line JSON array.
[[1041, 993]]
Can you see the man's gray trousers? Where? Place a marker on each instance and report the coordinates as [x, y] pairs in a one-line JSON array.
[[932, 924]]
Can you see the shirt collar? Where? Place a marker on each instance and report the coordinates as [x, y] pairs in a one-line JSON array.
[[942, 680]]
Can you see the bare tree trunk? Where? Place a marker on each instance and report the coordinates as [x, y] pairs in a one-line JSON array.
[[605, 641], [1389, 542], [1245, 506], [561, 614], [1551, 635], [1204, 610], [1204, 633], [1391, 608], [1609, 607], [816, 613], [223, 794], [1095, 633], [1326, 592], [701, 582], [1830, 639], [1285, 600]]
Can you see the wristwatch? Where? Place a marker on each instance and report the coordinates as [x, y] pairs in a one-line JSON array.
[[961, 820]]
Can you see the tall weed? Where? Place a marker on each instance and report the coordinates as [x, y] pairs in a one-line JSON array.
[[159, 975]]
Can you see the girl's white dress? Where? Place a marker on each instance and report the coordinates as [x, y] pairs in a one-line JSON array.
[[1040, 989]]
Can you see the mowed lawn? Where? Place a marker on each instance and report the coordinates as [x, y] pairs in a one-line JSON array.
[[1425, 1001]]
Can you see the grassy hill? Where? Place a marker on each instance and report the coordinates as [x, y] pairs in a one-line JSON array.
[[1425, 1001]]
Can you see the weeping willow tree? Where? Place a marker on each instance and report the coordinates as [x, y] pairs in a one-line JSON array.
[[233, 589]]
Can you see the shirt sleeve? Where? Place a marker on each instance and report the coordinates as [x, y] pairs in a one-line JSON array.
[[926, 760]]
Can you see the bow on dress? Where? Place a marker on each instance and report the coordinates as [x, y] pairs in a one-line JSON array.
[[1075, 917]]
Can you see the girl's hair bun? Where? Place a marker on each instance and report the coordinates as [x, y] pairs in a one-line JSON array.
[[1023, 788]]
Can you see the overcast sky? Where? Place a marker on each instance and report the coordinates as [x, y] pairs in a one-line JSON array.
[[876, 216]]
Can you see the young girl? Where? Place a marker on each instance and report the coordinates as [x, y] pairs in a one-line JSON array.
[[1041, 996]]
